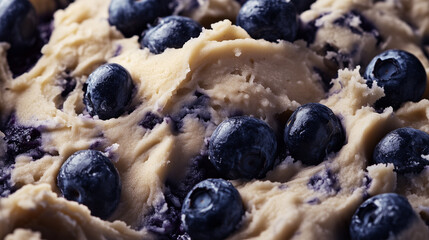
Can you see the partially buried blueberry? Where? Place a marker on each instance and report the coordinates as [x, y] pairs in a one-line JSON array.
[[269, 19], [400, 74], [89, 178], [382, 217], [243, 147], [108, 91], [406, 148], [132, 17], [171, 32], [212, 210], [18, 24], [312, 132]]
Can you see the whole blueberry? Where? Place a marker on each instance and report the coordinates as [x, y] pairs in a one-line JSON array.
[[381, 217], [401, 75], [18, 24], [407, 148], [312, 132], [212, 210], [171, 32], [243, 147], [269, 19], [132, 17], [89, 178], [108, 91], [302, 5]]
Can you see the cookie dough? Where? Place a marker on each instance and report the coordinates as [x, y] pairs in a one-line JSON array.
[[189, 91]]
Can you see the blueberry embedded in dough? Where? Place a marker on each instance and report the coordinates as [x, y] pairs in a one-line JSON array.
[[171, 32], [312, 132], [164, 219], [150, 120], [384, 216], [407, 148], [213, 209], [133, 17], [271, 20], [243, 147], [108, 91], [90, 178], [400, 74]]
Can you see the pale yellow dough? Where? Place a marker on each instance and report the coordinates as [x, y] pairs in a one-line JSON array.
[[239, 74]]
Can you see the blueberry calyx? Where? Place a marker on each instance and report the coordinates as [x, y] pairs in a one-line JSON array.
[[243, 147], [212, 210], [407, 148], [271, 20], [401, 75], [108, 91], [381, 217], [312, 132], [90, 178]]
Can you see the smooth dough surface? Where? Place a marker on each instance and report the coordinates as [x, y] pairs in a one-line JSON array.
[[221, 73]]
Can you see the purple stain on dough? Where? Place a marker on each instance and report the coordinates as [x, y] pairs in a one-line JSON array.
[[150, 120], [196, 108], [68, 83], [22, 140], [118, 50], [6, 186], [282, 186], [314, 201], [353, 17], [325, 181], [163, 220]]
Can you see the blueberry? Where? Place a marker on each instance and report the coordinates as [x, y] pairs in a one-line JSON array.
[[18, 24], [407, 148], [381, 217], [171, 32], [212, 210], [108, 91], [312, 132], [243, 147], [400, 73], [89, 178], [132, 17], [269, 19], [302, 5]]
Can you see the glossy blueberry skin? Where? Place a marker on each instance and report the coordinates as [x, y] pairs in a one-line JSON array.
[[312, 132], [18, 24], [108, 92], [212, 210], [89, 178], [243, 147], [171, 32], [402, 76], [269, 19], [381, 217], [302, 5], [132, 17], [404, 147]]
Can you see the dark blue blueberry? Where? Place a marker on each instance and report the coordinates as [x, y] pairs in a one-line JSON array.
[[108, 92], [212, 210], [171, 32], [407, 148], [402, 76], [243, 147], [269, 19], [312, 132], [325, 181], [150, 120], [18, 24], [132, 17], [382, 217], [90, 178], [22, 140], [302, 5]]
